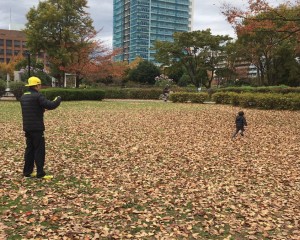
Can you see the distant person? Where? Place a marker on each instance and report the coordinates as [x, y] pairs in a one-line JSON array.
[[240, 122], [33, 106], [166, 92]]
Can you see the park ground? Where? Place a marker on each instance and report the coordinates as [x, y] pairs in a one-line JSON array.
[[153, 170]]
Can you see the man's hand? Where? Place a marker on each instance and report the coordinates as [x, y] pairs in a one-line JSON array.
[[58, 98]]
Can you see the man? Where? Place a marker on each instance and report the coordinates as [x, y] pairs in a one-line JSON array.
[[33, 105], [166, 92]]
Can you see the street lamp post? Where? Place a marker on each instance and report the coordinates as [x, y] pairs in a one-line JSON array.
[[7, 90], [28, 59]]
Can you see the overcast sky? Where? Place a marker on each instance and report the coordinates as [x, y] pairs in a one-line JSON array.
[[207, 14]]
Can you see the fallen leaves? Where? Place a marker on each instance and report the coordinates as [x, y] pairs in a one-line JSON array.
[[154, 171]]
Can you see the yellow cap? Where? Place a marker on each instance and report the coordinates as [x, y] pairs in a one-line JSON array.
[[33, 81]]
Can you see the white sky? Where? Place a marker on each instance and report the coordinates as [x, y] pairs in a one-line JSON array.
[[207, 14]]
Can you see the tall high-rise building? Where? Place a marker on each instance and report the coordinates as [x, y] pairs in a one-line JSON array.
[[138, 23]]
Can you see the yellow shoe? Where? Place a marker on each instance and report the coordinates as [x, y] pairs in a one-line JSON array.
[[31, 175], [47, 177]]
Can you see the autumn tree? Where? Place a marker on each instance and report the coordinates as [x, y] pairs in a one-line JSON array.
[[199, 52], [262, 31], [283, 19], [93, 61], [10, 67], [59, 28]]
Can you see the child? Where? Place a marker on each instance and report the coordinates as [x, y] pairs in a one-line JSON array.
[[240, 122]]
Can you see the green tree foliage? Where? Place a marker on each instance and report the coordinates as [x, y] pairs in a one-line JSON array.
[[286, 68], [59, 27], [199, 52], [37, 69], [174, 72], [144, 73]]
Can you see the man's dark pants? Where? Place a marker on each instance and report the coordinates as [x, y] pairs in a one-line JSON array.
[[34, 152]]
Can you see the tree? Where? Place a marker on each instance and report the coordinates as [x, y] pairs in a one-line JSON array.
[[199, 52], [263, 30], [37, 69], [93, 62], [175, 72], [283, 19], [8, 68], [286, 69], [59, 28], [144, 73]]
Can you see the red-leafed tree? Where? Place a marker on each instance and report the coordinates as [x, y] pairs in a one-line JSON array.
[[263, 31], [261, 16], [64, 30], [93, 61]]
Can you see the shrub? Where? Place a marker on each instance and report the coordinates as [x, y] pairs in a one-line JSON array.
[[294, 101], [271, 89], [116, 93], [198, 97], [286, 90], [17, 88], [179, 97], [188, 97], [236, 89], [2, 87], [247, 100], [134, 93], [163, 80], [234, 98], [74, 94], [144, 93], [268, 101], [289, 101], [221, 97]]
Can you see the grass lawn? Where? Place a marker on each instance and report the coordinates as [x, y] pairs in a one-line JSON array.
[[153, 170]]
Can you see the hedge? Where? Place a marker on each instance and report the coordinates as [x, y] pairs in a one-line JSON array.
[[271, 89], [221, 97], [133, 93], [290, 101], [188, 97], [73, 94], [2, 87]]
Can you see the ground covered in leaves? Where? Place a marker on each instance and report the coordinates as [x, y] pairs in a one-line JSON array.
[[153, 170]]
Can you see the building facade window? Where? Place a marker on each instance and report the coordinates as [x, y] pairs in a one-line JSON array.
[[8, 43], [139, 23], [11, 44], [8, 52], [17, 43]]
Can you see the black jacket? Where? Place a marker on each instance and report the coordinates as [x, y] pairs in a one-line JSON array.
[[33, 106], [240, 121]]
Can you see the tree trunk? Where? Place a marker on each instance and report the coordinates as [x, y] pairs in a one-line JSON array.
[[77, 80]]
